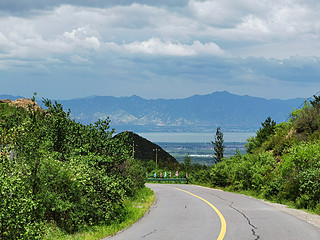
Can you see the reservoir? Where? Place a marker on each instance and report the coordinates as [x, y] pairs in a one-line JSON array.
[[195, 137], [197, 145]]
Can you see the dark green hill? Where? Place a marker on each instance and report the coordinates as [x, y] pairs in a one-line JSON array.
[[144, 150]]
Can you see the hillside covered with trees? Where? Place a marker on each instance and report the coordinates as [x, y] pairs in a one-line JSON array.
[[282, 162], [56, 171], [147, 151]]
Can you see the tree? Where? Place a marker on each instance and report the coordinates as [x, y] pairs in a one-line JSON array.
[[316, 102], [263, 135], [187, 162], [308, 120], [268, 127], [218, 146]]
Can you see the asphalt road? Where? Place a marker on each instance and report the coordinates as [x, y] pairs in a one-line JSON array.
[[193, 212]]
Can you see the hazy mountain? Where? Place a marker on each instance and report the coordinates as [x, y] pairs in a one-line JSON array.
[[4, 96], [195, 113]]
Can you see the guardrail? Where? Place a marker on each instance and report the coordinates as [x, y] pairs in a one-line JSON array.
[[167, 180]]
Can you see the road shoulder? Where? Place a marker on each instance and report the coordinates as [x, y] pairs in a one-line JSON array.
[[308, 217]]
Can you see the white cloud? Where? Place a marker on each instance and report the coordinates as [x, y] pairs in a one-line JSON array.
[[255, 25], [76, 59], [5, 44], [213, 12], [257, 21], [79, 37], [79, 31], [136, 44], [24, 40], [227, 13], [202, 27], [155, 46]]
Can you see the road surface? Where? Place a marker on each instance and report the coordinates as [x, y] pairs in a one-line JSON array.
[[192, 212]]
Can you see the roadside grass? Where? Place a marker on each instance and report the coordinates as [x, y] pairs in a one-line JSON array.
[[136, 207]]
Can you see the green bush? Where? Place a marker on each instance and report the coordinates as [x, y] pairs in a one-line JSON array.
[[18, 218], [247, 172], [220, 175], [200, 176], [62, 172], [309, 188], [283, 161]]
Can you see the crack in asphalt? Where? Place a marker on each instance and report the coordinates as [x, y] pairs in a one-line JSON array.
[[254, 228], [149, 233]]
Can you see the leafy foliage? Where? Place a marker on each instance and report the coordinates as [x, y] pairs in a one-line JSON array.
[[218, 146], [315, 103], [53, 169], [263, 135], [187, 162], [282, 162]]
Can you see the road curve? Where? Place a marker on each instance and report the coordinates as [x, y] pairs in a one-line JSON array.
[[193, 212]]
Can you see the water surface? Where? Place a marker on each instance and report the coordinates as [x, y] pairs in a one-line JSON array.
[[184, 137]]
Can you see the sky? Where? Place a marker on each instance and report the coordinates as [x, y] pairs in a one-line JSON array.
[[66, 49]]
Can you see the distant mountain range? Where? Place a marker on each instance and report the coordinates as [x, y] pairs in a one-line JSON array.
[[5, 96], [198, 113]]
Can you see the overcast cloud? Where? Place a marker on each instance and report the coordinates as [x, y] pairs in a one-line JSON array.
[[160, 49]]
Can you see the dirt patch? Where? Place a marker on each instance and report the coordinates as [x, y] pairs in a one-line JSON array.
[[22, 102], [5, 101]]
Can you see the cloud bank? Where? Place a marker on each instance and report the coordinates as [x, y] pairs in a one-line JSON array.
[[127, 47]]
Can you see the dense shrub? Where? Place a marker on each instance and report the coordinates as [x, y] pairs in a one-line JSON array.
[[296, 170], [63, 172], [295, 178], [309, 188], [220, 174], [201, 176], [18, 209], [282, 161]]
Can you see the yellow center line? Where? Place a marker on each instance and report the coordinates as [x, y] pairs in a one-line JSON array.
[[222, 220]]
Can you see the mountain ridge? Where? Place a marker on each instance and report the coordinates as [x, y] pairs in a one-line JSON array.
[[197, 113], [194, 113]]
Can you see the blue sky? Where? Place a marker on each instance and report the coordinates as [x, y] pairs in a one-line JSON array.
[[159, 49]]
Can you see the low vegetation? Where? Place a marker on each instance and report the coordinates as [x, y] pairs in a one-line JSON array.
[[59, 173], [282, 162], [135, 208]]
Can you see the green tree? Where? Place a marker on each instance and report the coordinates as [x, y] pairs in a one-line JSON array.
[[263, 135], [218, 146], [316, 101], [187, 162], [308, 120], [268, 127]]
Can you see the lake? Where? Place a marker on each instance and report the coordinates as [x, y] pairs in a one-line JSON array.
[[195, 137], [197, 145]]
